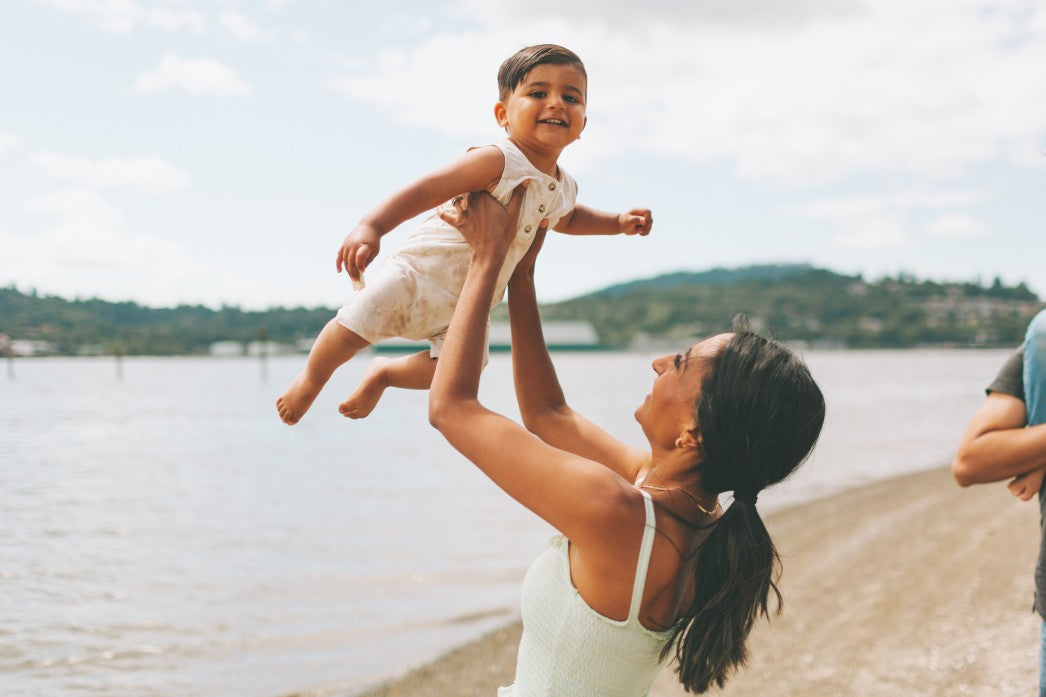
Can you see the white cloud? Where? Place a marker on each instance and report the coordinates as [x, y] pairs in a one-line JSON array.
[[873, 234], [956, 226], [801, 95], [91, 232], [197, 76], [627, 13], [242, 28], [85, 204], [7, 142], [844, 207], [124, 16], [150, 174], [883, 221], [89, 250]]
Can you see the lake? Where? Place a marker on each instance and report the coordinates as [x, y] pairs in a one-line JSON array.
[[165, 534]]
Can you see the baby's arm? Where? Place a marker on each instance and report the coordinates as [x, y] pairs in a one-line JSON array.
[[588, 221], [478, 169]]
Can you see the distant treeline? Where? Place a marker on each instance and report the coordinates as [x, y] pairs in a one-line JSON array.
[[794, 302], [73, 326], [802, 303]]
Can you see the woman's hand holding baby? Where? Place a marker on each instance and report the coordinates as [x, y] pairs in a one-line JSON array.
[[486, 225]]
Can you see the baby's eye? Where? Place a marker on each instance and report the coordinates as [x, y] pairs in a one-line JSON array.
[[537, 94], [571, 99]]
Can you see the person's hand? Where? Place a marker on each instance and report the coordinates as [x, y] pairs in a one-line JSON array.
[[486, 225], [637, 221], [358, 250], [1027, 485]]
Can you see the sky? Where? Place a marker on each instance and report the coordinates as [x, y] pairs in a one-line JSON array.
[[218, 151]]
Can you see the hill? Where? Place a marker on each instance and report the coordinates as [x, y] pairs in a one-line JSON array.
[[796, 302], [803, 303]]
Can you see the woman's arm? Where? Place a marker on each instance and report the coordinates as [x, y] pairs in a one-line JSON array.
[[542, 404], [997, 445], [579, 497], [476, 170]]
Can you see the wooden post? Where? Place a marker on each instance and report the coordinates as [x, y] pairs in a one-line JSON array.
[[263, 353]]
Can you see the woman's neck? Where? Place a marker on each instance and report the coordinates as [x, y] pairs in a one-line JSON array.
[[676, 485]]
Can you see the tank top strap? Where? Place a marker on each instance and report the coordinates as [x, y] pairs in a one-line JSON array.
[[645, 548]]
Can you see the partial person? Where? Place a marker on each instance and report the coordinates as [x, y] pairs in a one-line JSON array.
[[543, 91], [648, 564], [1006, 439]]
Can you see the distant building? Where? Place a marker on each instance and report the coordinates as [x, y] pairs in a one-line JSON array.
[[227, 349], [559, 336], [268, 348], [28, 347], [232, 349]]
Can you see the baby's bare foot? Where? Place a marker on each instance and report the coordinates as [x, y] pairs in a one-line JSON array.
[[362, 402], [297, 399]]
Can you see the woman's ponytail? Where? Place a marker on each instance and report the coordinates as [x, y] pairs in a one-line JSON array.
[[759, 413], [736, 572]]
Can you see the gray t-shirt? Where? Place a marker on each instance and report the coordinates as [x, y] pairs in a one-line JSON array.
[[1010, 379]]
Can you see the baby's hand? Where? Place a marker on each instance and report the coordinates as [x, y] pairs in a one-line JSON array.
[[1028, 484], [637, 221], [357, 251]]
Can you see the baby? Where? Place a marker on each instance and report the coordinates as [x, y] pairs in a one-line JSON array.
[[541, 105]]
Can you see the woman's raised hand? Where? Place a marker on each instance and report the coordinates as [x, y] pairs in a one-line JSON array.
[[525, 268], [484, 223]]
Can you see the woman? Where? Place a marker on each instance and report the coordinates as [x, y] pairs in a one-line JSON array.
[[649, 564]]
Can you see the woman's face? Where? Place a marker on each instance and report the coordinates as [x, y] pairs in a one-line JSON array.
[[669, 410]]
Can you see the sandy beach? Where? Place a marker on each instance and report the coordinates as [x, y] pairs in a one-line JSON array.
[[910, 586]]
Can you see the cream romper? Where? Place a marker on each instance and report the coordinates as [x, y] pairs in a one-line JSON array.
[[413, 293]]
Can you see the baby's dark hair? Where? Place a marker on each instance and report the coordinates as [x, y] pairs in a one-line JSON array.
[[516, 66]]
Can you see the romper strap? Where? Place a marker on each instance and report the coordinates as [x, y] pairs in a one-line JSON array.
[[644, 557]]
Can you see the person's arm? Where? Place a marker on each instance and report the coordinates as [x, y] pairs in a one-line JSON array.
[[588, 221], [579, 497], [542, 404], [476, 170], [996, 445]]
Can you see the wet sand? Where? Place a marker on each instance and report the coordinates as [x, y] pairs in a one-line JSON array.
[[910, 586]]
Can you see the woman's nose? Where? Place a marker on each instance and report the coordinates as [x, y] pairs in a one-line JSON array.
[[658, 364]]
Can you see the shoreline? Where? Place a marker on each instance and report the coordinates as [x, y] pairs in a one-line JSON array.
[[907, 586]]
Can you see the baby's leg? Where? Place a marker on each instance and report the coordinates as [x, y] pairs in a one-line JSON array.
[[413, 372], [335, 345]]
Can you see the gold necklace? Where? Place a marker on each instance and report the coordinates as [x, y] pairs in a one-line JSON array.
[[697, 501]]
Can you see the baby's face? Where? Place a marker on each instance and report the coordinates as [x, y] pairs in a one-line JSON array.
[[547, 109]]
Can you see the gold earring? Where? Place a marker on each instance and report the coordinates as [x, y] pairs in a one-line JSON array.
[[679, 442]]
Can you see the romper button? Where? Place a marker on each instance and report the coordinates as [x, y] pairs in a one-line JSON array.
[[552, 186], [526, 229], [541, 208]]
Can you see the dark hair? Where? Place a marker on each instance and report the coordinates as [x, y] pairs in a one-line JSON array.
[[515, 68], [759, 414]]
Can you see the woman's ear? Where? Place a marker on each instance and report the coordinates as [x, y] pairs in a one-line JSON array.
[[690, 439]]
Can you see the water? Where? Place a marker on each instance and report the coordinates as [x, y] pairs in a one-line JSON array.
[[164, 534]]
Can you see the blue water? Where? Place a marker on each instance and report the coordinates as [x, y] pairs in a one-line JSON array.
[[165, 534]]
